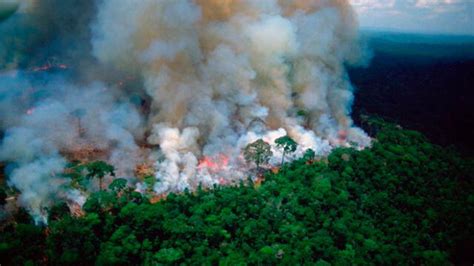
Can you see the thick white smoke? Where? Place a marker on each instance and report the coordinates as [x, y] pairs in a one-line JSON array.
[[67, 120], [213, 68], [210, 77]]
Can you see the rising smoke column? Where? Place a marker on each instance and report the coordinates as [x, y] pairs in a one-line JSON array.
[[215, 69], [53, 105], [210, 77], [38, 142]]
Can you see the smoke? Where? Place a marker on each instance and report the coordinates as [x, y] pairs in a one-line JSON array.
[[186, 84], [46, 30]]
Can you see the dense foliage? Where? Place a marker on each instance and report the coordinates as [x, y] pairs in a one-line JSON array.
[[403, 201]]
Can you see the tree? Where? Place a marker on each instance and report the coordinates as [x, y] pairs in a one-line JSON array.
[[99, 169], [58, 212], [287, 144], [118, 184], [79, 114], [258, 152], [309, 155], [3, 196], [75, 171], [168, 255], [100, 201], [73, 241]]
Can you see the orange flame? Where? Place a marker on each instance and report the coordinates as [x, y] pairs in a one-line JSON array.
[[76, 209], [342, 135], [49, 66], [158, 198], [214, 164]]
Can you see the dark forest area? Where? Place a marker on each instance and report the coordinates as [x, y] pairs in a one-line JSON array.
[[421, 82]]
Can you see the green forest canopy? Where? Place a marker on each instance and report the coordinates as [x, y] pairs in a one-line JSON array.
[[402, 201]]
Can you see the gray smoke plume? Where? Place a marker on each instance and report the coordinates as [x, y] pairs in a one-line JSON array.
[[194, 80]]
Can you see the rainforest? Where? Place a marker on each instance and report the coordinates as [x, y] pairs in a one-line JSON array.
[[402, 201]]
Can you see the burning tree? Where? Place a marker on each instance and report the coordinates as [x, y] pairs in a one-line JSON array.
[[79, 114], [287, 144], [258, 152]]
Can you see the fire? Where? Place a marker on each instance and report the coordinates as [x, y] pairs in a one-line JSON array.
[[275, 169], [158, 198], [342, 135], [42, 68], [85, 153], [49, 66], [258, 182], [143, 170], [214, 164], [30, 111], [76, 209]]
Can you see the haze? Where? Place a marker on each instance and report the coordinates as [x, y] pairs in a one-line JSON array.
[[420, 16]]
